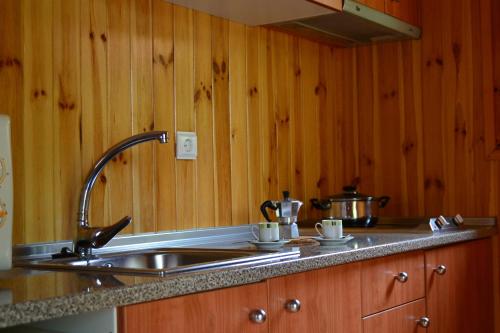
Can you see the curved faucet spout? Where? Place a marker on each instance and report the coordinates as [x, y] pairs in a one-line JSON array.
[[97, 237]]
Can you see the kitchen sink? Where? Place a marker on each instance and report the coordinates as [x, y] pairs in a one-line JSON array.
[[160, 261]]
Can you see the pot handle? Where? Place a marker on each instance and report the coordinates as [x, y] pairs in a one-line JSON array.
[[267, 204], [383, 200], [321, 205]]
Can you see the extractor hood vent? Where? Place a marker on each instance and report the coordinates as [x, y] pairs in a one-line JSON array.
[[355, 25]]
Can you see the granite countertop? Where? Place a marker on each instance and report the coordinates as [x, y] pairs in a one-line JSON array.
[[30, 296]]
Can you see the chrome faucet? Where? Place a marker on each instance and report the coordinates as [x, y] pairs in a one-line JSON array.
[[88, 237]]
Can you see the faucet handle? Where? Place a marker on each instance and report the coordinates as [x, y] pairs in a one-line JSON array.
[[103, 235]]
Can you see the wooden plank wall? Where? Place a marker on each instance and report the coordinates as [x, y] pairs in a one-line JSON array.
[[272, 112]]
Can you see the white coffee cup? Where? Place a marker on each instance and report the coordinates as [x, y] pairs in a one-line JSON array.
[[332, 229], [268, 232]]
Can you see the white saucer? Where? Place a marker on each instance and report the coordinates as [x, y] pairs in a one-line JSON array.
[[331, 242], [269, 245]]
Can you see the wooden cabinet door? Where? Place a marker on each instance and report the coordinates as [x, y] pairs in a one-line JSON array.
[[225, 311], [329, 298], [461, 298], [401, 319], [380, 286], [405, 10]]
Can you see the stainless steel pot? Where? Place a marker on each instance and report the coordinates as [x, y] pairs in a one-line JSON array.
[[353, 208]]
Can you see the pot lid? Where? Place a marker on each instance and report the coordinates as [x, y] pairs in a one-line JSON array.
[[350, 193]]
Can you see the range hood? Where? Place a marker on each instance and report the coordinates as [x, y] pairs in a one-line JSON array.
[[356, 24]]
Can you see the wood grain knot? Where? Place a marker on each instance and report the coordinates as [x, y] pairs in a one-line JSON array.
[[197, 95], [215, 67], [297, 172], [163, 61], [284, 121], [320, 182], [208, 92], [103, 178], [496, 90], [298, 72], [223, 67], [436, 182], [461, 130], [10, 62], [64, 105], [408, 147], [252, 91], [39, 93], [104, 38], [439, 184], [439, 61], [91, 35]]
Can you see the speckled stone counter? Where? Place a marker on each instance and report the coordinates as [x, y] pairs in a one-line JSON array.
[[30, 296]]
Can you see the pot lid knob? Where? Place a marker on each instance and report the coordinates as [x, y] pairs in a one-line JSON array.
[[349, 189]]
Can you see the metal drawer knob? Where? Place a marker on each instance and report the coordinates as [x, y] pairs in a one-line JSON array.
[[292, 305], [402, 277], [424, 322], [441, 269], [258, 316]]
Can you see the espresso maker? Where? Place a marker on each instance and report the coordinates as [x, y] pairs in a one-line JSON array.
[[286, 212]]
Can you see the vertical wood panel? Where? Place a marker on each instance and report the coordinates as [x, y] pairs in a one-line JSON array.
[[347, 120], [253, 65], [297, 120], [220, 72], [164, 117], [365, 90], [389, 113], [484, 171], [238, 110], [38, 121], [205, 180], [280, 57], [119, 171], [11, 97], [432, 68], [67, 115], [184, 116], [94, 103], [268, 119], [412, 148], [309, 55], [327, 119], [143, 156]]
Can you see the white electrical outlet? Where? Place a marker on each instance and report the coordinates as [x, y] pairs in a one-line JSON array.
[[186, 145]]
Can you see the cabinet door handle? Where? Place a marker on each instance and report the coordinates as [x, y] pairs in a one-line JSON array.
[[424, 322], [258, 316], [292, 305], [401, 277], [441, 269]]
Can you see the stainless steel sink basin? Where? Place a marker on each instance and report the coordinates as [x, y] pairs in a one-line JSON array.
[[160, 261]]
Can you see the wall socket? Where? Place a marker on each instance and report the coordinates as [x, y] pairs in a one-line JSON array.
[[186, 145]]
